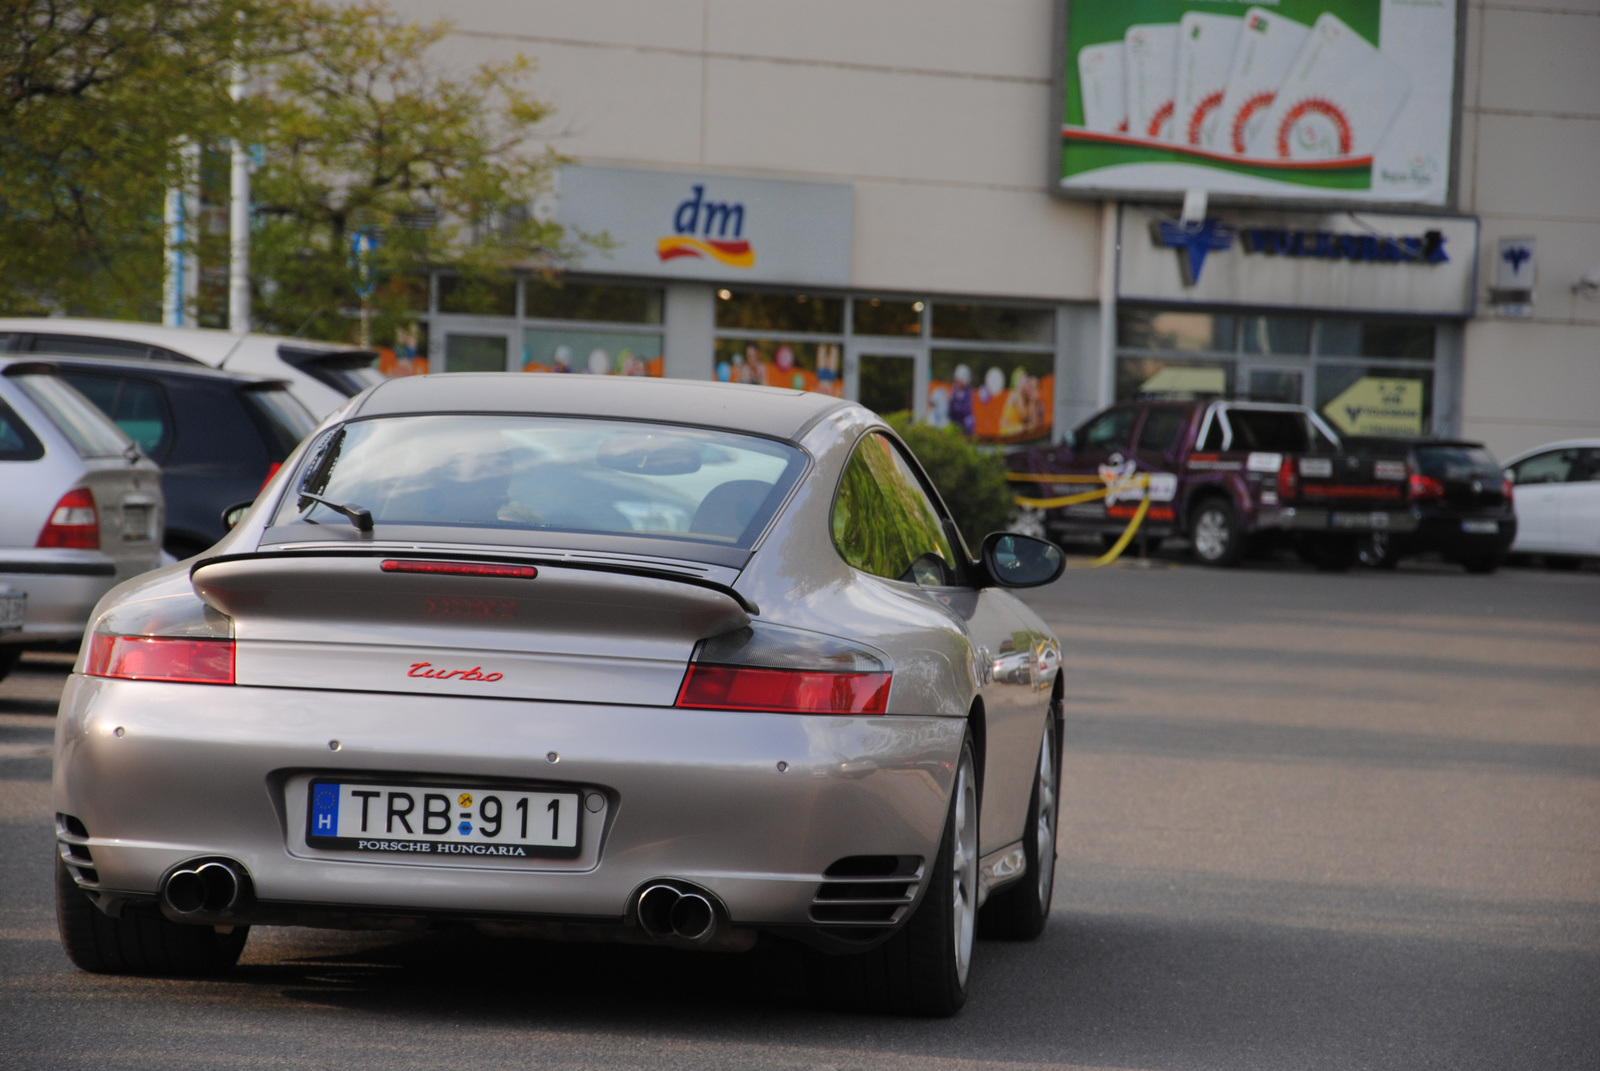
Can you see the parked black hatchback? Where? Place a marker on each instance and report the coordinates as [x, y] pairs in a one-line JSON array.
[[1463, 505], [217, 435]]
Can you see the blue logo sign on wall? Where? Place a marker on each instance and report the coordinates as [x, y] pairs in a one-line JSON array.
[[1192, 240]]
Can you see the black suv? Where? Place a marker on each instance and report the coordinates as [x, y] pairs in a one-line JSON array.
[[218, 436], [1461, 499]]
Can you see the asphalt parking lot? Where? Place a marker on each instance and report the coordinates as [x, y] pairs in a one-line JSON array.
[[1309, 821]]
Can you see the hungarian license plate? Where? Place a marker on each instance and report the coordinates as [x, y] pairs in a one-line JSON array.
[[136, 524], [442, 820], [1480, 527], [13, 608]]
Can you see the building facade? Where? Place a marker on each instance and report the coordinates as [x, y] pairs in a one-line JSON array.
[[865, 198]]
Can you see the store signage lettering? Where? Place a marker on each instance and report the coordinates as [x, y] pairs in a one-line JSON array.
[[700, 229], [1193, 240], [1426, 248]]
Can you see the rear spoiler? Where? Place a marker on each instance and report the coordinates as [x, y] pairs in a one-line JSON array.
[[506, 559]]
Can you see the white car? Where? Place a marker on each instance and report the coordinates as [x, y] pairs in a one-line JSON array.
[[1558, 501], [321, 375], [80, 510]]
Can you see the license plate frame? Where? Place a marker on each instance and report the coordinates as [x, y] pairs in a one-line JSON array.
[[1480, 527], [136, 523], [13, 610], [451, 844]]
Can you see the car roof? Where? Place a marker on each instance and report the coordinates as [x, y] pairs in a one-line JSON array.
[[206, 344], [1564, 444], [124, 365], [769, 411]]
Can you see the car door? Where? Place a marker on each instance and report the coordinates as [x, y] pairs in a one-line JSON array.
[[1544, 488], [899, 531], [1580, 525]]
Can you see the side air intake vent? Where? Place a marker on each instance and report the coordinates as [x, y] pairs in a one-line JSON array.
[[72, 842], [867, 890]]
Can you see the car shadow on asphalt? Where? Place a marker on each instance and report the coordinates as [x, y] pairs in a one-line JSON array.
[[1101, 989]]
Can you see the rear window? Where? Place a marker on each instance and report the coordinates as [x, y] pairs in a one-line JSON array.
[[1270, 430], [17, 440], [533, 474], [1456, 462], [90, 431], [286, 420], [347, 371]]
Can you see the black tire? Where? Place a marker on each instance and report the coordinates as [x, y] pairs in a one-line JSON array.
[[918, 971], [1377, 552], [1481, 564], [1019, 911], [10, 655], [141, 941], [1334, 554], [1216, 535]]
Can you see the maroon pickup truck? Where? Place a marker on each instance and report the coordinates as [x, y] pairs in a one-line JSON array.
[[1225, 474]]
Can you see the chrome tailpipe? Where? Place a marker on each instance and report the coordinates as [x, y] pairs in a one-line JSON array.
[[212, 888], [666, 911]]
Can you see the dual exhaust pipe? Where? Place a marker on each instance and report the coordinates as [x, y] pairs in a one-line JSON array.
[[666, 911], [212, 888]]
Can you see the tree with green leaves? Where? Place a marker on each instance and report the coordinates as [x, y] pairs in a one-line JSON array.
[[355, 129]]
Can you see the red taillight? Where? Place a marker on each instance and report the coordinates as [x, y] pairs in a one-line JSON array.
[[161, 658], [1505, 489], [74, 524], [403, 565], [1288, 482], [272, 470], [784, 691], [1420, 487]]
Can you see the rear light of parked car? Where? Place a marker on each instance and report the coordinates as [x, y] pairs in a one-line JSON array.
[[165, 639], [1420, 488], [74, 524], [272, 470], [786, 671], [1505, 489], [1288, 481], [161, 658]]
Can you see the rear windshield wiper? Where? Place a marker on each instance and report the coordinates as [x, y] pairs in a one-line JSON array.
[[359, 516]]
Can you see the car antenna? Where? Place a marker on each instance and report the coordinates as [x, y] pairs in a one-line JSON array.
[[359, 516]]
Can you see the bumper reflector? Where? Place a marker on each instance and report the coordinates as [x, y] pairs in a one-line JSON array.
[[784, 691], [161, 658]]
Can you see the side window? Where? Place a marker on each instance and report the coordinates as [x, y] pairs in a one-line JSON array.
[[1108, 431], [883, 522], [85, 346], [1556, 466], [1591, 466], [17, 440], [137, 406], [1161, 429]]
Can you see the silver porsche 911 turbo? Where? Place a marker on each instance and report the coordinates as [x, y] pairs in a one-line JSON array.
[[574, 657]]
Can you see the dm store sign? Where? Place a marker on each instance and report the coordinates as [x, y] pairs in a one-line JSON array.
[[713, 227]]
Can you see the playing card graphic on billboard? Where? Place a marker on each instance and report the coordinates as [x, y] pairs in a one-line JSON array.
[[1310, 100]]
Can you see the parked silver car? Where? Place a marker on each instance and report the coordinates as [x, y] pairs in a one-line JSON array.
[[578, 657], [82, 509]]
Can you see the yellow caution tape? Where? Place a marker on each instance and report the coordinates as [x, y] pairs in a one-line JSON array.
[[1111, 555]]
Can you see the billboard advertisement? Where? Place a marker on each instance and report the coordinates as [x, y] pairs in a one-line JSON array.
[[1298, 100]]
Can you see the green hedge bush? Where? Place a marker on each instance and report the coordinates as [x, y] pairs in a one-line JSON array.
[[971, 482]]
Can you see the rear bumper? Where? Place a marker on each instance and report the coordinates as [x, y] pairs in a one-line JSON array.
[[690, 795], [1322, 519], [62, 587], [1446, 535]]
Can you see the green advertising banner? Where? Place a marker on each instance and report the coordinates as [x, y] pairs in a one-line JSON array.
[[1300, 100]]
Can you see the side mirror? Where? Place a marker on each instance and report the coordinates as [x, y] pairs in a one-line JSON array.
[[235, 513], [1012, 560]]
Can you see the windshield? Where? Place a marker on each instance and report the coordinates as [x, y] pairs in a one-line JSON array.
[[521, 473], [287, 419], [1457, 463], [90, 431]]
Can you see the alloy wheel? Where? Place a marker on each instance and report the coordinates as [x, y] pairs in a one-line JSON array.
[[964, 867], [1045, 831], [1211, 534]]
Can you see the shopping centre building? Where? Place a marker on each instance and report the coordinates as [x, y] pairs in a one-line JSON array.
[[976, 210]]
